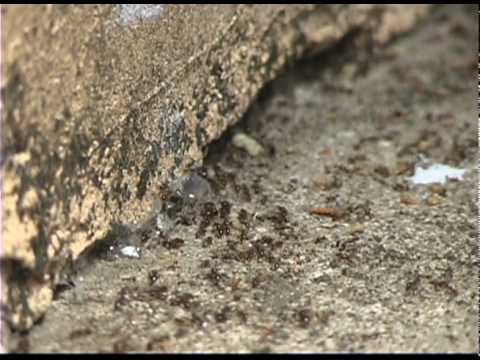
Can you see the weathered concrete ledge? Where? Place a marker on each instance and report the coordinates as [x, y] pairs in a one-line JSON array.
[[100, 114]]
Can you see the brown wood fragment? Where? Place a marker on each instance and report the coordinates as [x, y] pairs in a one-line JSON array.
[[334, 213]]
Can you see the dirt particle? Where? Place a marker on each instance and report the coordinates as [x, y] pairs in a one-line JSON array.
[[433, 200], [161, 343], [405, 168], [175, 243], [243, 217], [242, 316], [79, 333], [235, 284], [258, 280], [279, 218], [184, 300], [173, 206], [325, 316], [357, 228], [207, 242], [214, 276], [400, 185], [135, 293], [244, 193], [412, 285], [202, 228], [183, 328], [438, 189], [62, 287], [223, 315], [122, 345], [304, 317], [209, 211], [442, 284], [408, 200], [225, 208], [382, 171], [153, 276], [222, 229], [327, 182], [334, 213], [145, 234], [246, 255]]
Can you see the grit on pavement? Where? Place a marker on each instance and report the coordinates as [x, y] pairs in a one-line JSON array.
[[302, 231]]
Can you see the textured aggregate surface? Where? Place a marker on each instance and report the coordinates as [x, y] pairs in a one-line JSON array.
[[319, 243]]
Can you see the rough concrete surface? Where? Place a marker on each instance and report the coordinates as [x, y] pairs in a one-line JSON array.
[[103, 111], [317, 244]]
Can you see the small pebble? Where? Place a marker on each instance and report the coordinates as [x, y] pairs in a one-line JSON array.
[[250, 145], [130, 251], [408, 200], [438, 189], [433, 200], [357, 228]]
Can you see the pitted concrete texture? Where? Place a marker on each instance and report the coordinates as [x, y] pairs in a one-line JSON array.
[[101, 114]]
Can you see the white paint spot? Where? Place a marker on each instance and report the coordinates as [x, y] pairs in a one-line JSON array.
[[437, 173], [131, 13], [130, 251]]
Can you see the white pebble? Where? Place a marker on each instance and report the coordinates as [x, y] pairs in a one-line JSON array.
[[245, 142], [130, 251]]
